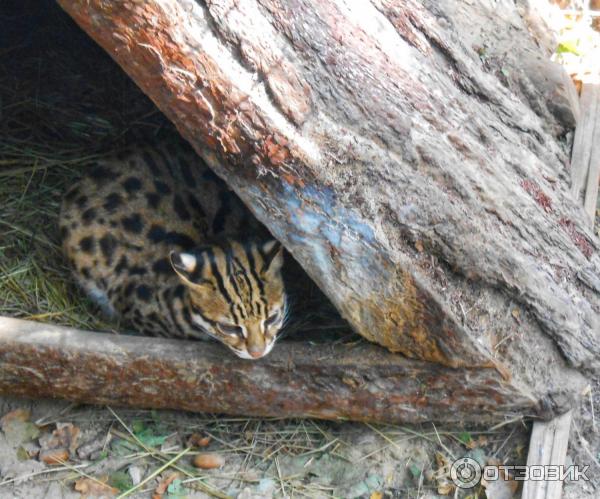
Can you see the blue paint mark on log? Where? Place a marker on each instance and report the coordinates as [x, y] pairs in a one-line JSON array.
[[320, 211], [322, 228]]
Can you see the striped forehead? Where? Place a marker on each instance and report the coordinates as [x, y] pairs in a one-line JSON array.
[[239, 275]]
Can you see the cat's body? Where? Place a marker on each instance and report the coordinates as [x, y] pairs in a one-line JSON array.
[[157, 240]]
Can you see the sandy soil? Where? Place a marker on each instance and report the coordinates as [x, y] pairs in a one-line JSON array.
[[264, 458]]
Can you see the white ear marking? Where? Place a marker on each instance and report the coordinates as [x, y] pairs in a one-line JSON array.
[[273, 256], [188, 261], [270, 245]]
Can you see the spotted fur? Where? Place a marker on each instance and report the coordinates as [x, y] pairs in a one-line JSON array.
[[159, 242]]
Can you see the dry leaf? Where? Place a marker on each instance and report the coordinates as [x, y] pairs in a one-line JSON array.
[[430, 475], [66, 436], [54, 456], [419, 246], [89, 487], [208, 461], [17, 428], [445, 488], [197, 440], [376, 495], [31, 448], [501, 489], [164, 483], [481, 441], [441, 460], [16, 415]]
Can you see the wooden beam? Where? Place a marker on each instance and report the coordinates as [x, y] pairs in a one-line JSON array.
[[361, 382], [593, 176], [548, 445], [585, 158]]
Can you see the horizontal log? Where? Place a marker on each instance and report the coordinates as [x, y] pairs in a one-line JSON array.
[[357, 382]]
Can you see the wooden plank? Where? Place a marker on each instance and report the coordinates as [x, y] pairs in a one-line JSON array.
[[548, 445], [593, 176], [571, 95], [584, 139], [363, 382]]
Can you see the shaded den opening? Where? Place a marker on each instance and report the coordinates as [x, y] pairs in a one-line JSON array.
[[64, 105]]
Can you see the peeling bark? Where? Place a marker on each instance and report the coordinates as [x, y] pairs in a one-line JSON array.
[[360, 382], [424, 190]]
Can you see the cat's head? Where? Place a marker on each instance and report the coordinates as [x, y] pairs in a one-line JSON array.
[[236, 293]]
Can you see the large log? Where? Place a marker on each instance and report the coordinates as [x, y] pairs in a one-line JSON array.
[[360, 382], [424, 189]]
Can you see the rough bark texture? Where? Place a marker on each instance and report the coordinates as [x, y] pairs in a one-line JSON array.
[[415, 175], [364, 382]]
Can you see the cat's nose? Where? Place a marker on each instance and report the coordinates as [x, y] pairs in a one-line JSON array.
[[256, 353]]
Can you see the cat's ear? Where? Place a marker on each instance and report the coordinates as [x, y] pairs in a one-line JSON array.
[[188, 266], [272, 253]]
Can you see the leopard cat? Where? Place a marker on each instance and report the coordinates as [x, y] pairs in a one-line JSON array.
[[158, 241]]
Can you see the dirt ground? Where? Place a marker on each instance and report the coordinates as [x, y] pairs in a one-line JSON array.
[[123, 452], [261, 458]]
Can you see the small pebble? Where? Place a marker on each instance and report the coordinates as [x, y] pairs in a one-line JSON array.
[[208, 461]]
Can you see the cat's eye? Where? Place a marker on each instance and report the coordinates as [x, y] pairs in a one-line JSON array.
[[273, 318], [232, 329]]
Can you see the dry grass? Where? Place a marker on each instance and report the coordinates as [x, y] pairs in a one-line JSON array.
[[34, 282], [61, 108]]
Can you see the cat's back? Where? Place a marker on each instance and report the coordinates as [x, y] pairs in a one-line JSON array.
[[119, 222]]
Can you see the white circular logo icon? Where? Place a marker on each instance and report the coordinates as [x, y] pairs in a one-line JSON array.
[[465, 473]]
